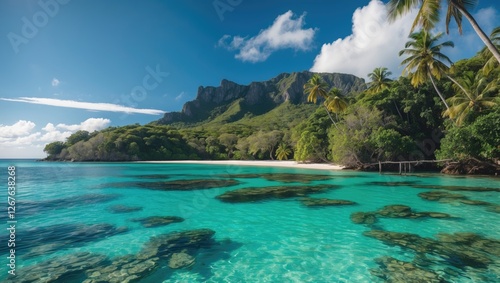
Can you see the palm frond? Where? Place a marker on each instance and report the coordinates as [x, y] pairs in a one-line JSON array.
[[457, 15], [428, 15], [397, 8], [315, 87]]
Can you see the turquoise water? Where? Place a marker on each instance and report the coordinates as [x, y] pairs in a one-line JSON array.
[[275, 240]]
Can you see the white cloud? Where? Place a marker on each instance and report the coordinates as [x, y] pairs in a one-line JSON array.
[[25, 140], [92, 106], [21, 140], [56, 135], [20, 128], [284, 33], [49, 127], [374, 42], [90, 125], [55, 82], [18, 134]]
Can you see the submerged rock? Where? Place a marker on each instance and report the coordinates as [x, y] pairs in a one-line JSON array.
[[432, 214], [314, 202], [178, 241], [155, 221], [457, 198], [494, 208], [151, 176], [123, 269], [460, 249], [441, 196], [176, 248], [415, 184], [457, 188], [26, 207], [394, 211], [256, 194], [286, 177], [392, 184], [403, 211], [124, 209], [474, 202], [56, 269], [180, 260], [473, 241], [363, 218], [179, 185], [397, 271], [42, 240]]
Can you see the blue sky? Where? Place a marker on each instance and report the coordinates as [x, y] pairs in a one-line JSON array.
[[75, 64]]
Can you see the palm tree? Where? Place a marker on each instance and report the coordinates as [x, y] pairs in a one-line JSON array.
[[314, 88], [335, 102], [283, 151], [380, 79], [472, 96], [491, 63], [428, 16], [424, 59]]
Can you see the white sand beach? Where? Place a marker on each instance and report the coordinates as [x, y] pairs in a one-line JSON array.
[[271, 163]]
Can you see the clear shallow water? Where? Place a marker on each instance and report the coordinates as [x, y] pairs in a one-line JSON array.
[[276, 240]]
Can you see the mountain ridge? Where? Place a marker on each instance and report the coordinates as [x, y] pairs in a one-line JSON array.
[[257, 97]]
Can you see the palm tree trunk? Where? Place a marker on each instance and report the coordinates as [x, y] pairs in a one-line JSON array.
[[460, 86], [395, 105], [438, 92], [480, 32], [331, 118]]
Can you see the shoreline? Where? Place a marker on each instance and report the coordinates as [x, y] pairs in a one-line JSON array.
[[260, 163]]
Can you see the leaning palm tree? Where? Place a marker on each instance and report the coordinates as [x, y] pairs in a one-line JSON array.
[[474, 94], [428, 16], [316, 88], [380, 80], [491, 63], [424, 59]]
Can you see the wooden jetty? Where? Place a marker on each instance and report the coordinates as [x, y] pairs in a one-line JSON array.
[[406, 166]]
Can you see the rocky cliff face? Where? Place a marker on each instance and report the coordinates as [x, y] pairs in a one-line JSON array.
[[284, 87]]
